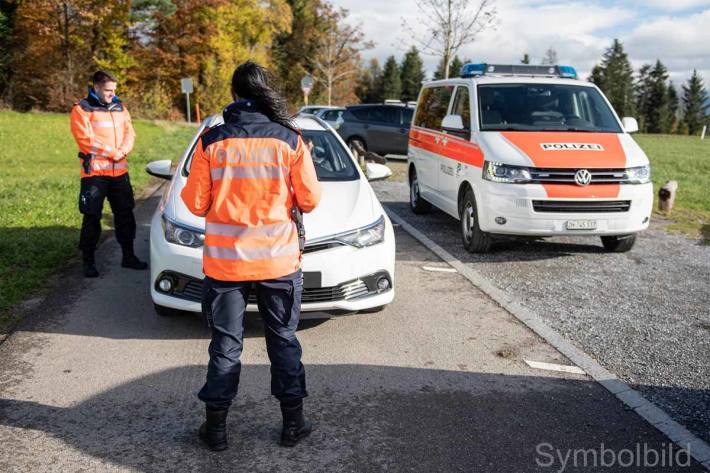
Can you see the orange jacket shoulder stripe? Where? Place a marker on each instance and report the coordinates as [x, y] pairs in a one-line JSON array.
[[245, 177], [102, 130]]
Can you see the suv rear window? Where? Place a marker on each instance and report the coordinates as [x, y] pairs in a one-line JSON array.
[[433, 106]]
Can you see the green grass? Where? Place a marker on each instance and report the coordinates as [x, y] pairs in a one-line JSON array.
[[685, 159], [39, 186]]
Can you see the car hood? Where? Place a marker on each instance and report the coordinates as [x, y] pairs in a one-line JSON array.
[[562, 149], [344, 205]]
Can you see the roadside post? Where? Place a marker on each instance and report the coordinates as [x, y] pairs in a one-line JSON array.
[[306, 87], [187, 89], [702, 135]]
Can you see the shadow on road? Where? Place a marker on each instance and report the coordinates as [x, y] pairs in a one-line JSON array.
[[369, 418]]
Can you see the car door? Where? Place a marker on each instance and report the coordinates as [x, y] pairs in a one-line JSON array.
[[401, 137], [450, 167], [384, 123]]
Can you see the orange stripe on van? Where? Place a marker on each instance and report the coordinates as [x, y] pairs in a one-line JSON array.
[[448, 146], [611, 156]]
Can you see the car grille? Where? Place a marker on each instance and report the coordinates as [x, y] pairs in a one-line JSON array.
[[577, 206], [311, 248], [566, 176], [345, 291]]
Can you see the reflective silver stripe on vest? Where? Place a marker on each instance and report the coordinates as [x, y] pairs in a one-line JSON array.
[[102, 124], [271, 230], [251, 254], [103, 165], [249, 172]]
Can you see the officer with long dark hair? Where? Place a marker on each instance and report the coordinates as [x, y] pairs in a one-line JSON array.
[[249, 176]]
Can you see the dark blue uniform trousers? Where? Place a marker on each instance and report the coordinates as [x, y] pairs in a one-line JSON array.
[[223, 305]]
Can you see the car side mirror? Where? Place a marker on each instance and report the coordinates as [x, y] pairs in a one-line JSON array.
[[161, 169], [630, 124], [377, 172], [452, 123]]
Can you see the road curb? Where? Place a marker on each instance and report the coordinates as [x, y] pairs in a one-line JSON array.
[[655, 416]]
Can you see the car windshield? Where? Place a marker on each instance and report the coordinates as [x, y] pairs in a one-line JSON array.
[[544, 107], [331, 159]]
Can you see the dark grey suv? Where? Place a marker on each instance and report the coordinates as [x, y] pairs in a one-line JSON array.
[[382, 129]]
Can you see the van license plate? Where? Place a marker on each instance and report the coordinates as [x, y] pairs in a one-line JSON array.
[[581, 224]]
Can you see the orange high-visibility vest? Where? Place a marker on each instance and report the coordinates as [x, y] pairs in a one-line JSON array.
[[101, 130], [245, 177]]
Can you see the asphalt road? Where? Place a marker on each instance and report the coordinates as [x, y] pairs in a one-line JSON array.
[[95, 381], [644, 315]]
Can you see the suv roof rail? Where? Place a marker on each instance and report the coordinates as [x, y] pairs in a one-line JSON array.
[[473, 70]]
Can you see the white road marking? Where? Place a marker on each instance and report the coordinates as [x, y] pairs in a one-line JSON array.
[[540, 365], [437, 269]]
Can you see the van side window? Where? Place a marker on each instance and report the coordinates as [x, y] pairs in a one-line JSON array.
[[407, 116], [462, 107], [433, 107]]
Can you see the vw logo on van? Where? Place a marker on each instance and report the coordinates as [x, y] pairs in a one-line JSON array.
[[583, 177]]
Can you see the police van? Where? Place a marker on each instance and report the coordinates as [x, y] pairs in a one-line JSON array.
[[527, 150]]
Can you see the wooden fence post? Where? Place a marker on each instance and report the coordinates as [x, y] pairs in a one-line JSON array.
[[666, 196]]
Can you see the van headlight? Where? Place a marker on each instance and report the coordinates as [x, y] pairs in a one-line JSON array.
[[366, 236], [639, 174], [499, 172], [181, 235]]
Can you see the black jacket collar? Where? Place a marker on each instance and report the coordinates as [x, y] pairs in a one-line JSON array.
[[243, 111]]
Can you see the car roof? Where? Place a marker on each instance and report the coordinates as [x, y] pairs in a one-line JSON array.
[[309, 123], [366, 105], [508, 79]]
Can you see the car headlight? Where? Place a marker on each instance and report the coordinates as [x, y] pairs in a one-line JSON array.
[[498, 172], [639, 175], [181, 235], [366, 236]]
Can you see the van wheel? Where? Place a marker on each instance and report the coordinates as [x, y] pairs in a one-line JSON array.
[[163, 311], [416, 202], [618, 243], [474, 240]]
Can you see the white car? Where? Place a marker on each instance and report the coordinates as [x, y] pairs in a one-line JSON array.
[[348, 262], [332, 116], [527, 150]]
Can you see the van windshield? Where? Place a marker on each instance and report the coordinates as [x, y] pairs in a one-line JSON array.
[[544, 107]]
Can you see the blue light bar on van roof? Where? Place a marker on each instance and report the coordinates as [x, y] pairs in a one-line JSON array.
[[472, 70]]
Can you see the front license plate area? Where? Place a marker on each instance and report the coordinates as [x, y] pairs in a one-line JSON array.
[[581, 224], [312, 280]]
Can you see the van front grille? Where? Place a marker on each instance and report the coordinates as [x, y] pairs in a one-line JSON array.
[[584, 206]]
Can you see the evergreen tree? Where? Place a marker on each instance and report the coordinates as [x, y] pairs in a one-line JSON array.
[[695, 99], [6, 13], [671, 125], [454, 68], [391, 83], [657, 105], [411, 75], [525, 59], [615, 77], [641, 92], [368, 82]]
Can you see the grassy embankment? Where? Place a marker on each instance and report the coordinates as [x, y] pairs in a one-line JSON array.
[[39, 186], [685, 159]]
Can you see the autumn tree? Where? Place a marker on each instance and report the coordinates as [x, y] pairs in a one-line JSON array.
[[445, 26], [338, 53], [368, 82]]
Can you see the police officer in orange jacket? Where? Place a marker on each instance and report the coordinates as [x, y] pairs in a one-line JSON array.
[[102, 129], [247, 177]]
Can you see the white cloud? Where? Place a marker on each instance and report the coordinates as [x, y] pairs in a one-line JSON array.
[[579, 32]]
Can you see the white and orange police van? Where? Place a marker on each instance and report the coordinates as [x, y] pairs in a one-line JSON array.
[[527, 150]]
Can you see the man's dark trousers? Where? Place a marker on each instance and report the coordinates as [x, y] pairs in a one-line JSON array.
[[224, 305], [119, 193]]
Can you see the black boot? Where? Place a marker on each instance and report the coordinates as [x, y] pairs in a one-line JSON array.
[[89, 265], [214, 430], [129, 258], [295, 426]]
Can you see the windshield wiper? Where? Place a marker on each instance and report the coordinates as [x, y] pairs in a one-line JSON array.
[[571, 128]]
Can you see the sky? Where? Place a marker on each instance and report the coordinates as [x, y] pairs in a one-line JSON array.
[[675, 31]]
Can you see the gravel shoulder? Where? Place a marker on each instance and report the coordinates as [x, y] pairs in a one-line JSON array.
[[643, 315]]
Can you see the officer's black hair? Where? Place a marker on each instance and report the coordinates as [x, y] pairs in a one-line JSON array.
[[250, 81], [101, 77]]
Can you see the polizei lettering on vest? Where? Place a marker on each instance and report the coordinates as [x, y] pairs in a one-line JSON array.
[[571, 147]]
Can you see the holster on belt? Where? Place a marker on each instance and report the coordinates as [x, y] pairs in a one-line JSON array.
[[86, 161], [297, 217]]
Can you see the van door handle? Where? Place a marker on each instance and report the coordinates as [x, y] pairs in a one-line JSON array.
[[403, 130]]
